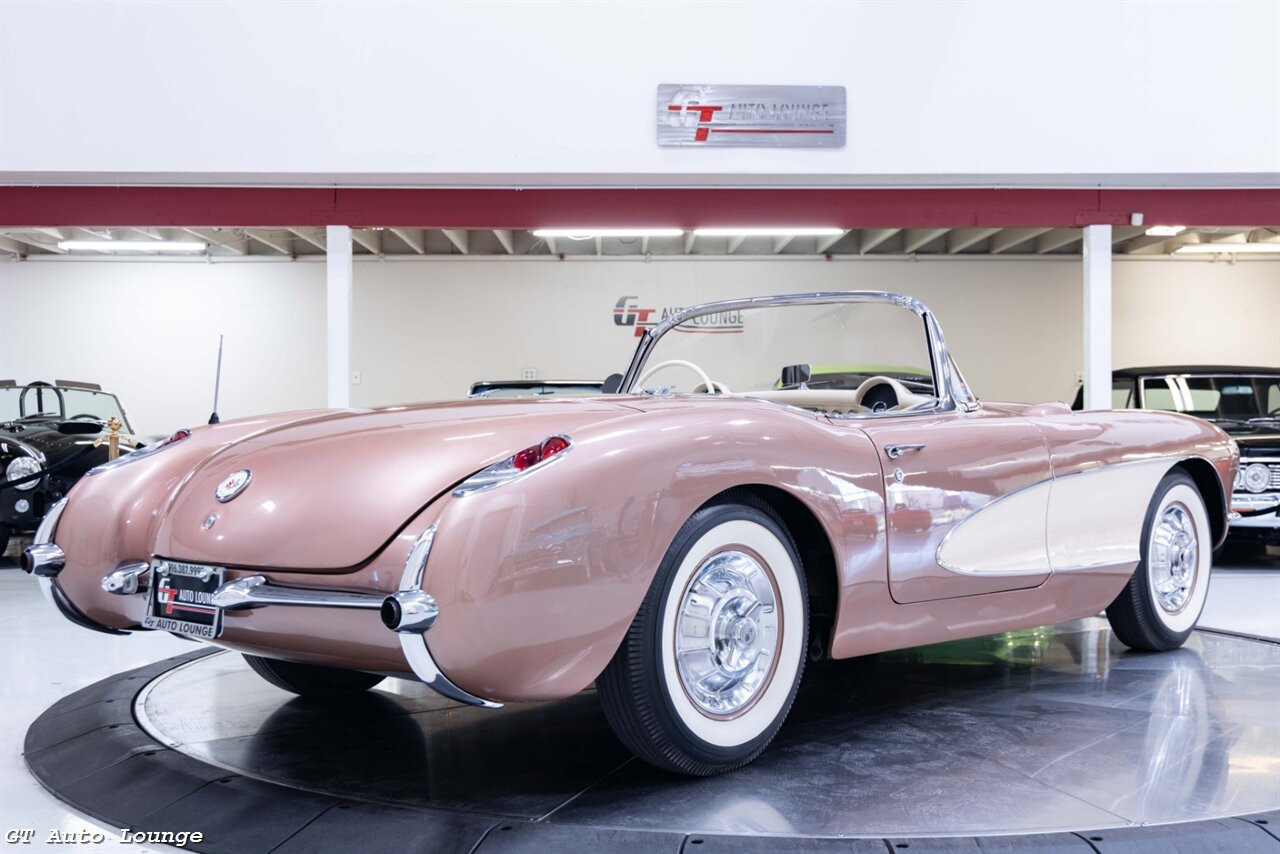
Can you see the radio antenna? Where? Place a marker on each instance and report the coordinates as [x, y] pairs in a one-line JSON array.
[[217, 384]]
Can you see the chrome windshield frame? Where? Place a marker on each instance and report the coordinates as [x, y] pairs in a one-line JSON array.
[[953, 391]]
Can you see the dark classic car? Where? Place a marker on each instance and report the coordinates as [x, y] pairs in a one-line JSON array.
[[50, 435], [1244, 402]]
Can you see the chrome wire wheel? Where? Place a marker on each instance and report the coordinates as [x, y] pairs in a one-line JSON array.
[[1173, 557], [727, 633]]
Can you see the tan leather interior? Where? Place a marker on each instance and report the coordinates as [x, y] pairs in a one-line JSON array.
[[844, 401]]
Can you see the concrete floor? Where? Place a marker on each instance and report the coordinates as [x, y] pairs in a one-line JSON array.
[[43, 657]]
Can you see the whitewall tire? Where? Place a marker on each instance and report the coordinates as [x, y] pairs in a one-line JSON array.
[[711, 663], [1159, 607]]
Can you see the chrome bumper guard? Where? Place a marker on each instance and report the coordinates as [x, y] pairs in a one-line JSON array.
[[408, 612], [127, 579], [254, 591]]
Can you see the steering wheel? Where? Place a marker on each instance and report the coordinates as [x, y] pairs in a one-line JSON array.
[[678, 363], [87, 416]]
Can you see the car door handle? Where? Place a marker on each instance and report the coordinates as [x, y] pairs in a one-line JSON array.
[[895, 451]]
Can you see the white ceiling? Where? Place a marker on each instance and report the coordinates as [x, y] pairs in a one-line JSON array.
[[391, 241]]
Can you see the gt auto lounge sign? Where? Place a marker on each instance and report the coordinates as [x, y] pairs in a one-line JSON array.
[[628, 313], [758, 116]]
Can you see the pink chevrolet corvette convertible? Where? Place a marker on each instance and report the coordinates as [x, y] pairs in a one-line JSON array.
[[772, 480]]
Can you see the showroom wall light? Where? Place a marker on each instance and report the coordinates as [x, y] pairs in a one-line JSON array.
[[1165, 230], [1228, 249], [814, 231], [591, 233], [132, 245]]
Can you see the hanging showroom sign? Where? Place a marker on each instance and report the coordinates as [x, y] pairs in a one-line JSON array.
[[756, 116]]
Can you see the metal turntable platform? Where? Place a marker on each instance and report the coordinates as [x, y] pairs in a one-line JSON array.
[[1052, 739]]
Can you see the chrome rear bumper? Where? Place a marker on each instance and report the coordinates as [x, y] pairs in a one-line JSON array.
[[409, 612], [255, 591]]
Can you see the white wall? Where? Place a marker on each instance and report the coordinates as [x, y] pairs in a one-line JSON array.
[[149, 333], [426, 330], [430, 329], [474, 92]]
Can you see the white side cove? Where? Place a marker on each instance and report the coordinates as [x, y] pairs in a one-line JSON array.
[[1095, 517], [1079, 521], [1007, 537]]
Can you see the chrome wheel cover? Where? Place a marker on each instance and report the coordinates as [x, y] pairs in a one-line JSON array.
[[1174, 558], [727, 633]]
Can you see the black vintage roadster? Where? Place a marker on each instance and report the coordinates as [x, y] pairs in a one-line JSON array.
[[50, 435]]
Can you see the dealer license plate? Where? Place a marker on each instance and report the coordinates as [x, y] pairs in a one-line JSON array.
[[181, 599]]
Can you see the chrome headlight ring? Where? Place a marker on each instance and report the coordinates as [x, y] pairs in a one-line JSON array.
[[1255, 477], [22, 467]]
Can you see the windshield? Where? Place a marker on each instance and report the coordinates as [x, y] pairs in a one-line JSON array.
[[1218, 397], [846, 357], [61, 404], [534, 390]]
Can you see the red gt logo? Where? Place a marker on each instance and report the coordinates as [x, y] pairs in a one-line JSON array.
[[705, 114], [625, 313]]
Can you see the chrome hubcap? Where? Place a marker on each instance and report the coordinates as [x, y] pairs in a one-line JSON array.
[[1174, 557], [727, 633]]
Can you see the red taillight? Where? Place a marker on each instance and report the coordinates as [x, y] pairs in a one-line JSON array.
[[553, 446], [530, 456], [513, 466]]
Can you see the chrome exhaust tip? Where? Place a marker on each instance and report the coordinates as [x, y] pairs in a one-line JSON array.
[[409, 611], [126, 579], [44, 560]]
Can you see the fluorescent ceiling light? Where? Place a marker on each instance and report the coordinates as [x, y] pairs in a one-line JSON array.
[[1228, 249], [589, 233], [133, 245], [1166, 230], [819, 231]]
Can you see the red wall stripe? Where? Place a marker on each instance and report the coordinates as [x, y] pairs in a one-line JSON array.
[[686, 208]]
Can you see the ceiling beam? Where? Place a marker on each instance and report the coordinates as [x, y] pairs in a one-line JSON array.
[[780, 242], [734, 243], [55, 233], [689, 238], [1056, 238], [873, 237], [314, 236], [551, 245], [47, 247], [825, 243], [917, 237], [1121, 233], [415, 237], [962, 238], [507, 238], [280, 244], [149, 233], [8, 244], [369, 238], [461, 239], [1008, 238], [238, 244], [96, 233]]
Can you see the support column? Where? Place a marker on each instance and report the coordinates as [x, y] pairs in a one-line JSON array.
[[1097, 317], [338, 276]]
